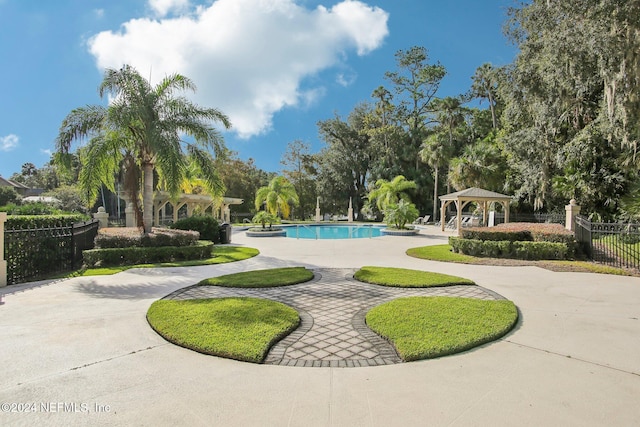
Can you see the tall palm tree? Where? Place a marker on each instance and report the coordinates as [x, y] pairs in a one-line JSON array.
[[480, 165], [148, 121], [386, 192], [485, 85], [278, 195], [435, 152]]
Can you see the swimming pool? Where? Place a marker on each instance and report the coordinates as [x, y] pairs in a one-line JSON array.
[[333, 231]]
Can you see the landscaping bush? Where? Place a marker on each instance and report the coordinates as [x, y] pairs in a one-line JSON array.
[[146, 255], [539, 250], [206, 225], [131, 237], [37, 208], [521, 232], [506, 249], [495, 234], [18, 222]]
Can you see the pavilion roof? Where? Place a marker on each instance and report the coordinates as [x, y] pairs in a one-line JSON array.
[[475, 193]]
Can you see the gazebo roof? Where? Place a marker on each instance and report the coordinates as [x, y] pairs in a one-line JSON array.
[[475, 193]]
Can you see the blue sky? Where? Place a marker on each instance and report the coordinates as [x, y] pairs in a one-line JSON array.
[[276, 67]]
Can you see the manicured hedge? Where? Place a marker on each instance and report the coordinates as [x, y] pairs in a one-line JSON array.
[[146, 255], [506, 249], [19, 222], [521, 232], [158, 237], [206, 225]]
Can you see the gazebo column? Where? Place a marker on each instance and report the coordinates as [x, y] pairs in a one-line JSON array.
[[460, 205], [443, 217], [485, 211]]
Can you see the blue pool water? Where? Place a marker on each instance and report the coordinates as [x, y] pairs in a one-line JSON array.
[[332, 231]]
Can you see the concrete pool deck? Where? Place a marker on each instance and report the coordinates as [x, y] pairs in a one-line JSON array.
[[81, 351]]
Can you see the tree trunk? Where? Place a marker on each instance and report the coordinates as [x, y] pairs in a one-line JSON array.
[[492, 107], [435, 195], [147, 197]]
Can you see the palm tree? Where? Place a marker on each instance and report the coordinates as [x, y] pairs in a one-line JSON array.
[[435, 153], [147, 121], [485, 86], [386, 192], [480, 165], [278, 195]]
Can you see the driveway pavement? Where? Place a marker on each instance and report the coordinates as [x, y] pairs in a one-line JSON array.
[[79, 352]]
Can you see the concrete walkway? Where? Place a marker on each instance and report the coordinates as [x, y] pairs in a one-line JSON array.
[[79, 352]]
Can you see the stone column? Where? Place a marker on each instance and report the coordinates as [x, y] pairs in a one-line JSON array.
[[102, 216], [130, 215], [350, 211], [3, 263], [572, 210]]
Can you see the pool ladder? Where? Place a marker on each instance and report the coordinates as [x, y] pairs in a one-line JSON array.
[[305, 226]]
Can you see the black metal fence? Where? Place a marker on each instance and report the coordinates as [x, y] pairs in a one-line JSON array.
[[35, 252], [614, 244], [531, 217]]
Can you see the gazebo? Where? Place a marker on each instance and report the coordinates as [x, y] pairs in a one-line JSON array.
[[191, 201], [203, 203], [473, 194]]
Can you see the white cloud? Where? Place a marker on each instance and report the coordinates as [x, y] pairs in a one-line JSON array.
[[48, 152], [98, 13], [247, 57], [9, 142], [346, 78], [162, 7]]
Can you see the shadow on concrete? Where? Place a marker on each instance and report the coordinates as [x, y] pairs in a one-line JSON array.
[[135, 291]]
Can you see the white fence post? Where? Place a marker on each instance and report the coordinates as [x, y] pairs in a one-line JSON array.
[[3, 263]]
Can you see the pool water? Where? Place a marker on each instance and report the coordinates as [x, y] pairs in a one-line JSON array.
[[333, 231]]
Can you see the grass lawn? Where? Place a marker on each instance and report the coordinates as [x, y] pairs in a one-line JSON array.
[[428, 327], [235, 328], [439, 253], [221, 255], [262, 278], [444, 253], [402, 277]]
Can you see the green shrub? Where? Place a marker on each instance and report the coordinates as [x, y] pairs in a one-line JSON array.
[[495, 234], [17, 222], [206, 225], [539, 250], [147, 255], [157, 238], [37, 208], [506, 249]]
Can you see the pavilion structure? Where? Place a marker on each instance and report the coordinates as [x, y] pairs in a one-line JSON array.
[[205, 204], [484, 198]]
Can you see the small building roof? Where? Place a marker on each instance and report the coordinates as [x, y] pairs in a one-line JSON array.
[[475, 193]]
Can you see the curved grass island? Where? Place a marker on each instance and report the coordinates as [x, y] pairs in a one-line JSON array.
[[428, 327], [236, 328], [261, 317]]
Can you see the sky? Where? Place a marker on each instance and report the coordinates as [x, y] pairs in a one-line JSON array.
[[275, 67]]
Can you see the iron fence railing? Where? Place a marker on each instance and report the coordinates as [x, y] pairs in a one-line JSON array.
[[614, 244], [531, 217], [34, 252]]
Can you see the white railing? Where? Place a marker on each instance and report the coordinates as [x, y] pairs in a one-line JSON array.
[[309, 228]]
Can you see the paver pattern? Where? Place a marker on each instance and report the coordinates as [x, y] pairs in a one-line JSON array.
[[332, 308]]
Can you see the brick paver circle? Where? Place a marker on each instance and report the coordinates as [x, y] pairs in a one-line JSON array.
[[332, 308]]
